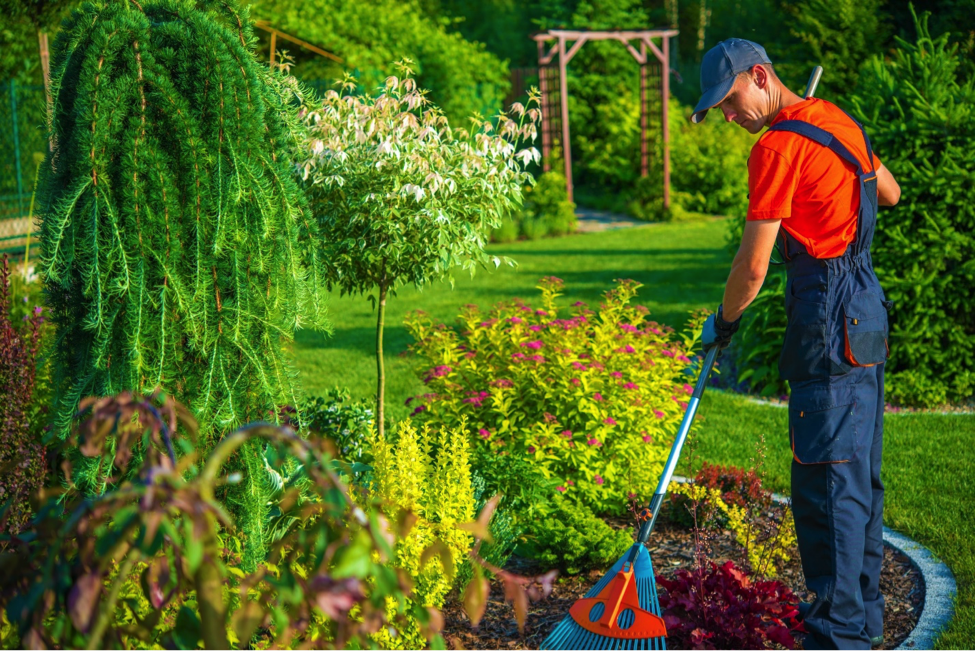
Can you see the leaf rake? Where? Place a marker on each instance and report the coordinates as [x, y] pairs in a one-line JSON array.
[[622, 610]]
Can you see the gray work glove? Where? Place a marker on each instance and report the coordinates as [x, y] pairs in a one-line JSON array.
[[717, 331]]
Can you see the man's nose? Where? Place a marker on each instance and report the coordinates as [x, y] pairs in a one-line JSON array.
[[729, 115]]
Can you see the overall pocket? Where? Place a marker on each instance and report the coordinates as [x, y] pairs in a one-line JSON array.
[[822, 425], [804, 349], [865, 330]]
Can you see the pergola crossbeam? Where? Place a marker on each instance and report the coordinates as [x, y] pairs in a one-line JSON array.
[[578, 38]]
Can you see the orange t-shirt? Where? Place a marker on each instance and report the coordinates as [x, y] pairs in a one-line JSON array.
[[809, 187]]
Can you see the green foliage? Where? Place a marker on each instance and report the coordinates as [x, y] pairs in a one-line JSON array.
[[593, 399], [836, 34], [546, 211], [156, 562], [920, 114], [172, 225], [709, 164], [569, 537], [340, 419], [425, 476], [368, 35]]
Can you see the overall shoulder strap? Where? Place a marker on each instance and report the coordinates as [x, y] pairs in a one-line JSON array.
[[823, 137], [866, 140]]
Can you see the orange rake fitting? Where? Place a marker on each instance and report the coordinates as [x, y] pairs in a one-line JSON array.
[[615, 612]]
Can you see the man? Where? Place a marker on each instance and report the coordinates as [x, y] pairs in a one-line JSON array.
[[814, 186]]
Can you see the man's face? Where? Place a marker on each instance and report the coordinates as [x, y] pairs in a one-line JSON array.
[[747, 104]]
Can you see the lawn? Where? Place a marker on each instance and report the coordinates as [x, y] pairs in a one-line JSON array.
[[928, 457]]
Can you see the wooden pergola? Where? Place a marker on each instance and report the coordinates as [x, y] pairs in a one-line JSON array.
[[567, 44]]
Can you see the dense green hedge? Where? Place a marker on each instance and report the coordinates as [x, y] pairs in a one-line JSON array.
[[920, 113]]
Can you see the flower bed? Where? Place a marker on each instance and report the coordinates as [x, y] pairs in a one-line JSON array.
[[671, 547]]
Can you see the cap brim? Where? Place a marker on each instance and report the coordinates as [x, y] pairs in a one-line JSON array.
[[711, 98]]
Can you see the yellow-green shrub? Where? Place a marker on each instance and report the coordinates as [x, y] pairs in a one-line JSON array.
[[593, 400], [761, 554], [436, 488]]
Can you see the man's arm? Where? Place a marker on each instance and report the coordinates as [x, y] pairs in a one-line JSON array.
[[888, 192], [750, 266]]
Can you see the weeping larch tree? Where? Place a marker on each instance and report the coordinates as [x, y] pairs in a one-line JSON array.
[[174, 227]]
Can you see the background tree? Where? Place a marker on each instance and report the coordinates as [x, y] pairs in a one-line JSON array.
[[173, 227], [401, 197], [462, 77]]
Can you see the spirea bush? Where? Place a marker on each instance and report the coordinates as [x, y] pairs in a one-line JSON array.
[[22, 456], [424, 475], [738, 487], [593, 398]]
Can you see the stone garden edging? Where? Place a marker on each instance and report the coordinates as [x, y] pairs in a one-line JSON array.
[[940, 588]]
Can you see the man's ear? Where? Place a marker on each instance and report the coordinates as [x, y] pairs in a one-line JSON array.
[[760, 75]]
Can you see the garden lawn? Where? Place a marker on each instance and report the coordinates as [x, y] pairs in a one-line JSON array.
[[928, 458]]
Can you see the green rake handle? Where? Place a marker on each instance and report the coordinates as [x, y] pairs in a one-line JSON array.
[[671, 465]]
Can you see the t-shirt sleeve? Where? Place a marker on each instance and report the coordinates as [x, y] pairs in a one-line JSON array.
[[876, 162], [772, 182]]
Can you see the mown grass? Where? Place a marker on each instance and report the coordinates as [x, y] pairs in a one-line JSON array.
[[928, 458]]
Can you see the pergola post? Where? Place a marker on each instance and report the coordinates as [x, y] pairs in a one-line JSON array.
[[543, 89], [665, 91], [564, 97], [644, 150]]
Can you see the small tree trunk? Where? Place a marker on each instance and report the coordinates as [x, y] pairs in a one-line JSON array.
[[380, 372], [46, 71]]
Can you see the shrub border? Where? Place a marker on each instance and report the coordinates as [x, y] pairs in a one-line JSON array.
[[940, 588]]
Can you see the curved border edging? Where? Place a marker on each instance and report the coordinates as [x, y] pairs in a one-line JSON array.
[[940, 588]]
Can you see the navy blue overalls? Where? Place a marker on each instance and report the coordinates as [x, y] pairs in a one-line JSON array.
[[833, 355]]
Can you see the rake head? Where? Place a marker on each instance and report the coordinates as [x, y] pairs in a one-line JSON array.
[[619, 612]]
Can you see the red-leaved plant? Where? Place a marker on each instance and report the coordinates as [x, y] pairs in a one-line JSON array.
[[720, 607], [22, 458]]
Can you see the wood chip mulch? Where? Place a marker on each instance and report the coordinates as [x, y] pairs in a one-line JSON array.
[[670, 547]]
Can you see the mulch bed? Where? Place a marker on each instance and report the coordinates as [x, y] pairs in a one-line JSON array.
[[670, 547]]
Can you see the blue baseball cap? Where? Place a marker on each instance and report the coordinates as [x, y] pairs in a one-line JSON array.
[[720, 67]]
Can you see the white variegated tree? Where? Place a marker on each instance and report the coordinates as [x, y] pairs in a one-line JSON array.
[[400, 196]]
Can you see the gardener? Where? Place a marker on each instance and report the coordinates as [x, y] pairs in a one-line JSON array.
[[814, 186]]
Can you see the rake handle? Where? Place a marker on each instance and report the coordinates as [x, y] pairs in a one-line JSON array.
[[685, 427]]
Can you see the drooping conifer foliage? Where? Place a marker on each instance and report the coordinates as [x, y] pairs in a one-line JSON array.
[[173, 222]]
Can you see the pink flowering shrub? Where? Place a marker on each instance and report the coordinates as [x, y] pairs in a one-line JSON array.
[[594, 397]]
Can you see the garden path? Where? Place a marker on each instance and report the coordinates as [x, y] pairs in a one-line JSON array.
[[589, 220]]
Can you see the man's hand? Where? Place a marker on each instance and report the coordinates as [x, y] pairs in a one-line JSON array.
[[717, 331]]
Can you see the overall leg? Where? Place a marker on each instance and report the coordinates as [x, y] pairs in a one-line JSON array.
[[832, 503], [873, 552]]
